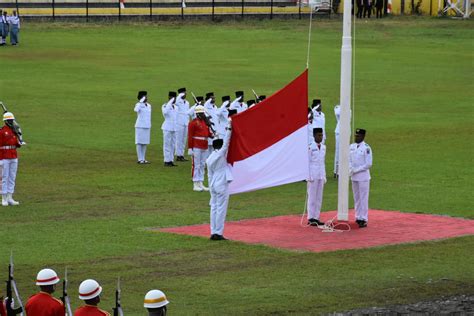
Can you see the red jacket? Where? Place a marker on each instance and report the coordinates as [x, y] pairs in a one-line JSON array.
[[8, 139], [198, 133], [3, 310], [89, 310], [43, 304]]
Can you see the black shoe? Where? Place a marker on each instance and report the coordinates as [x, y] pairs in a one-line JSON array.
[[362, 223], [314, 222], [172, 164], [181, 158], [146, 162], [139, 162], [218, 237], [168, 164]]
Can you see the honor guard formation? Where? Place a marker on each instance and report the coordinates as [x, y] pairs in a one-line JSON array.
[[44, 303]]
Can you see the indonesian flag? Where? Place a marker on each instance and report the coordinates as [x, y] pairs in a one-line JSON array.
[[269, 144]]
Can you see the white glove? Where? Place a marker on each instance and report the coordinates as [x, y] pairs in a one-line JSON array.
[[190, 151], [181, 95], [23, 143], [325, 180], [142, 100]]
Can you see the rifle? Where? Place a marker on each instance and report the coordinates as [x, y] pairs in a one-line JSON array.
[[15, 126], [65, 297], [256, 96], [11, 287], [206, 118], [118, 306]]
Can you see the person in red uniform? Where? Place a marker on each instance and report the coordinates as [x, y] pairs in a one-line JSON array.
[[43, 303], [9, 142], [198, 135], [89, 292], [3, 310]]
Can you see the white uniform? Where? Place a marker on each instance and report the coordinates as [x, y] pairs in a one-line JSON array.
[[238, 105], [337, 113], [219, 176], [211, 113], [182, 125], [222, 116], [142, 128], [170, 112], [319, 121], [360, 161], [317, 179]]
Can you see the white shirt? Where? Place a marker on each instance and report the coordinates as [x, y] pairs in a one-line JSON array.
[[183, 107], [317, 155], [319, 120], [219, 171], [360, 161], [170, 112], [14, 20], [238, 105], [143, 110]]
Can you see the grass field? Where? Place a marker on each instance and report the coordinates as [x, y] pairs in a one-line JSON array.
[[87, 205]]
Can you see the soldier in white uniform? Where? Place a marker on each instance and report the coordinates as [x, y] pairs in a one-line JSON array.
[[222, 115], [238, 104], [317, 177], [182, 124], [219, 175], [142, 126], [319, 121], [170, 112], [360, 161]]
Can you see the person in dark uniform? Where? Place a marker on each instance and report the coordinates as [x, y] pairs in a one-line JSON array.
[[360, 9], [379, 9], [367, 8]]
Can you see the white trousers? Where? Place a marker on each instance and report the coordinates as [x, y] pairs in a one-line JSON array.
[[336, 155], [181, 136], [10, 166], [141, 151], [315, 198], [361, 199], [219, 202], [169, 142], [199, 163]]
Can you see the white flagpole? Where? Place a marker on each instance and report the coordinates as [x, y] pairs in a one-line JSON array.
[[345, 123]]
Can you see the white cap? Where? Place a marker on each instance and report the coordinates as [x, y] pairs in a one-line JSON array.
[[155, 299], [199, 109], [89, 289], [8, 116], [47, 277]]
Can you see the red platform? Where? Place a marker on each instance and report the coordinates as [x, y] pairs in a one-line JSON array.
[[384, 228]]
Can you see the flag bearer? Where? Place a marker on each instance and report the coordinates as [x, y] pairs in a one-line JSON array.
[[198, 136], [9, 142], [317, 177], [142, 126], [220, 176], [43, 303], [182, 124], [170, 112], [360, 162], [89, 292]]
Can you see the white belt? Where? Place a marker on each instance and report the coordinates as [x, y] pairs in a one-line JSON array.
[[8, 147], [201, 138]]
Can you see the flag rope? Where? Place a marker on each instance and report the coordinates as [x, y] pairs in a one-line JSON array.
[[309, 36]]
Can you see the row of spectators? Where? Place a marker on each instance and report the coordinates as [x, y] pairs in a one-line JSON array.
[[9, 26]]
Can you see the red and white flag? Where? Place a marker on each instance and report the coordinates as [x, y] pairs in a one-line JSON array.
[[269, 144]]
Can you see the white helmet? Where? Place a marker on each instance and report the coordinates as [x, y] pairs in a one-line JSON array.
[[155, 299], [89, 289], [8, 116], [199, 109], [47, 277]]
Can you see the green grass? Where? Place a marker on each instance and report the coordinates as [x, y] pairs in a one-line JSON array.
[[87, 205]]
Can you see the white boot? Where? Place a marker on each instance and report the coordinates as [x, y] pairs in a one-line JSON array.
[[197, 187], [10, 200], [4, 200], [203, 187]]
